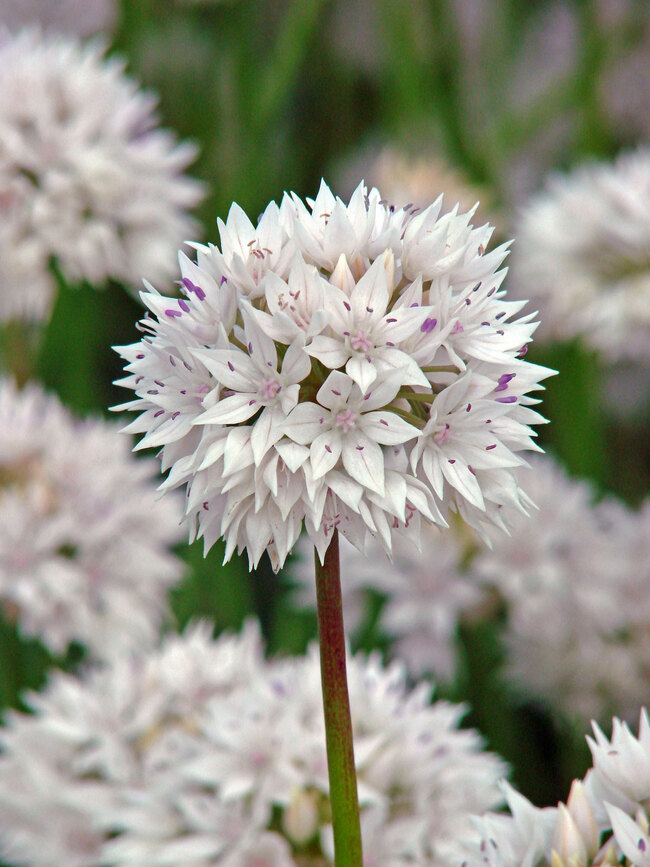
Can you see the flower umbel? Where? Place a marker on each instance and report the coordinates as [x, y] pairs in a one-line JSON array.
[[339, 366]]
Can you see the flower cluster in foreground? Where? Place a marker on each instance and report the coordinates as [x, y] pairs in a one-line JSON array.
[[582, 256], [604, 822], [84, 538], [204, 754], [338, 366], [86, 177]]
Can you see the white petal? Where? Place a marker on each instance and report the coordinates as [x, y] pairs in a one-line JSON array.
[[387, 428], [330, 352], [230, 410], [335, 390], [305, 423], [364, 461], [362, 371], [292, 454], [266, 431], [325, 452]]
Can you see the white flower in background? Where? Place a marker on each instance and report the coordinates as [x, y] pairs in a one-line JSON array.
[[203, 754], [84, 538], [574, 578], [337, 366], [582, 256], [86, 176], [81, 17], [604, 821], [426, 594]]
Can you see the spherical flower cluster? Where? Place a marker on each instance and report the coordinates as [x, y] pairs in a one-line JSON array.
[[83, 17], [203, 754], [426, 593], [575, 580], [86, 177], [582, 256], [84, 537], [604, 822], [337, 366]]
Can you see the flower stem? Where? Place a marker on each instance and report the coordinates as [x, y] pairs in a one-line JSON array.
[[338, 724]]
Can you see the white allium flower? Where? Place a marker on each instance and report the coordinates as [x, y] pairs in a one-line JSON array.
[[582, 255], [426, 593], [81, 17], [84, 538], [86, 177], [338, 366], [604, 821], [203, 754], [574, 577]]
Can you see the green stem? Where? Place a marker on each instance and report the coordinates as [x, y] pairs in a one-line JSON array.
[[408, 416], [338, 724], [426, 396]]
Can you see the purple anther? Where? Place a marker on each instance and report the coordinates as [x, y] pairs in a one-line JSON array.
[[337, 393], [369, 310], [139, 379], [152, 391], [140, 356], [391, 320], [415, 304], [500, 315], [185, 364], [173, 313], [451, 461], [192, 287], [223, 280], [183, 391], [522, 351], [492, 291], [172, 361], [501, 332], [383, 421], [158, 382], [428, 325], [321, 420], [346, 305], [468, 301], [488, 448], [182, 303], [485, 323], [159, 413], [205, 506], [250, 348], [388, 343], [252, 402], [231, 366], [360, 448], [504, 379], [175, 415], [477, 287], [367, 396], [328, 449], [641, 845], [468, 407], [510, 399], [471, 469]]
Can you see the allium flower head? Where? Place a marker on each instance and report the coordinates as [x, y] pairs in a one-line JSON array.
[[86, 177], [340, 366], [203, 754], [604, 821], [84, 538], [574, 577], [582, 256]]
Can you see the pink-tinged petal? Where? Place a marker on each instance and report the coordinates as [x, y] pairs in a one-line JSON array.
[[325, 452], [236, 233], [266, 431], [230, 410], [330, 352], [387, 428], [238, 453], [305, 423], [296, 363], [340, 233], [369, 298], [342, 276], [395, 359], [361, 371], [634, 843], [345, 489], [432, 470], [460, 477], [411, 296], [288, 397], [230, 367], [364, 461], [335, 390], [261, 347]]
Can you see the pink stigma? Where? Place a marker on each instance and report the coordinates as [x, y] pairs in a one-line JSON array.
[[269, 389], [346, 420], [360, 342], [442, 435]]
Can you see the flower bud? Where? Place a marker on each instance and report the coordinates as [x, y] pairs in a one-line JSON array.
[[300, 819]]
